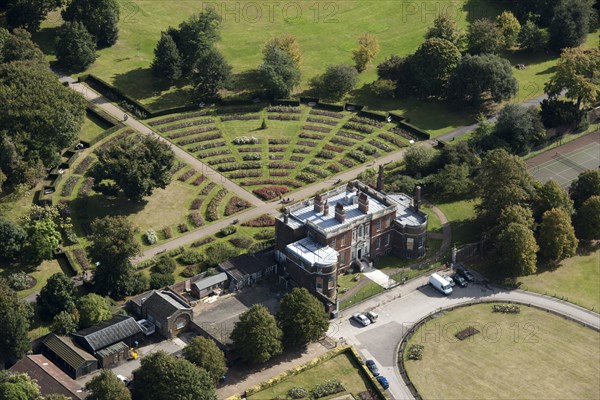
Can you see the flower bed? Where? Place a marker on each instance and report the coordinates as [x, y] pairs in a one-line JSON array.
[[235, 205], [259, 222], [85, 188], [282, 165], [69, 185], [196, 203], [177, 167], [326, 113], [81, 258], [119, 136], [322, 121], [326, 154], [238, 166], [249, 149], [203, 241], [196, 219], [308, 135], [212, 211], [316, 171], [241, 243], [284, 117], [191, 132], [213, 153], [297, 159], [240, 117], [270, 192], [187, 175], [275, 157], [307, 177], [177, 118], [415, 351], [335, 149], [205, 146], [379, 145], [269, 181], [251, 157], [316, 128], [358, 156], [358, 127], [207, 189], [198, 181], [327, 388], [245, 140], [506, 308], [199, 139], [465, 333], [350, 135], [277, 149], [239, 110], [186, 124], [84, 165], [335, 168], [368, 150], [222, 160], [391, 139], [301, 150], [367, 121], [307, 143], [316, 161], [249, 173], [404, 133], [284, 109], [279, 141], [343, 142], [279, 172], [346, 163]]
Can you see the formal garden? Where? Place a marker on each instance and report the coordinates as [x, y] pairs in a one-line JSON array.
[[494, 350]]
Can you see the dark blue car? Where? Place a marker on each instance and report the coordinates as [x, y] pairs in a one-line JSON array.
[[383, 381]]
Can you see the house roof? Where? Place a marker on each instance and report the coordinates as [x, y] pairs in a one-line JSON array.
[[109, 332], [52, 380], [164, 303], [115, 348], [247, 264], [210, 281], [313, 253], [67, 350]]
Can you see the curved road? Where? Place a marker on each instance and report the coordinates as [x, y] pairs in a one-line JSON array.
[[400, 308]]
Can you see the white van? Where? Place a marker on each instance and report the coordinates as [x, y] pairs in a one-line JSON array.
[[440, 284]]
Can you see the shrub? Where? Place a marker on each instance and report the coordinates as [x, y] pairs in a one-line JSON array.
[[20, 281], [368, 150], [284, 117], [270, 192], [379, 145], [246, 140], [265, 234], [404, 133], [316, 171], [214, 153], [189, 271], [307, 177], [187, 175], [506, 308], [81, 258], [334, 168], [327, 388], [270, 181], [276, 157], [176, 252], [177, 167], [196, 204], [198, 181], [238, 166], [196, 219], [328, 155], [212, 211], [346, 163], [277, 149], [263, 220], [189, 257], [245, 174], [69, 185], [358, 156], [251, 157], [167, 232], [228, 230], [150, 237], [297, 392], [241, 243], [158, 281], [301, 150], [87, 185], [203, 241], [182, 228], [164, 265], [207, 189], [235, 205], [415, 351]]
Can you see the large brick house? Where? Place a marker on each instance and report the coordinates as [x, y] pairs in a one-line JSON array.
[[319, 238]]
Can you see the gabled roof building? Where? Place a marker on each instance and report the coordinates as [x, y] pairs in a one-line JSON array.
[[67, 355], [120, 328], [167, 310]]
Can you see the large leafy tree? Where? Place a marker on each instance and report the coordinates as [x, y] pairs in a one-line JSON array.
[[453, 181], [205, 354], [433, 62], [280, 73], [256, 335], [106, 386], [550, 195], [286, 43], [65, 323], [532, 37], [93, 309], [136, 164], [519, 127], [211, 73], [587, 222], [75, 47], [29, 14], [514, 213], [113, 243], [400, 71], [445, 27], [509, 27], [18, 386], [14, 325], [100, 17], [577, 74], [43, 236], [57, 295], [418, 161], [502, 180], [516, 250], [302, 318], [18, 46], [585, 186], [196, 35], [482, 76], [337, 81], [538, 10], [483, 36], [367, 50], [167, 60], [557, 239], [179, 379], [12, 236], [570, 23]]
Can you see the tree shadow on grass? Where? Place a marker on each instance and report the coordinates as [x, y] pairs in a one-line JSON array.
[[246, 81], [88, 208], [45, 39]]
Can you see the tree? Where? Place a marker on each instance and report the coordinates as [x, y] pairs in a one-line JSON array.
[[509, 27], [279, 72], [539, 10], [477, 77], [196, 36], [43, 236], [433, 62], [286, 43], [18, 46], [158, 280], [12, 237], [93, 309], [217, 253], [400, 71], [18, 386], [107, 386], [75, 47], [179, 379], [577, 74], [336, 81], [550, 195], [459, 153], [418, 161], [256, 335], [113, 243], [587, 222], [137, 165], [516, 251], [367, 50], [302, 318], [167, 60], [519, 127], [532, 37], [205, 354], [557, 239], [453, 181], [570, 23], [65, 323], [57, 295], [502, 180], [483, 37], [445, 27], [100, 17], [585, 186], [210, 74], [29, 14], [14, 325], [514, 213]]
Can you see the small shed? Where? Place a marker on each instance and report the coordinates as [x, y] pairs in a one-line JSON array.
[[111, 356], [72, 359], [249, 268], [117, 329], [205, 286]]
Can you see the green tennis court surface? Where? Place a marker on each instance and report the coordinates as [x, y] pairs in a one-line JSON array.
[[564, 168]]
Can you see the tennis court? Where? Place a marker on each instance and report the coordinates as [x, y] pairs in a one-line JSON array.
[[564, 168]]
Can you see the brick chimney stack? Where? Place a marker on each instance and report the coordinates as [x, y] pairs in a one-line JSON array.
[[340, 213], [380, 179], [286, 215], [363, 202], [417, 199], [326, 208], [319, 203]]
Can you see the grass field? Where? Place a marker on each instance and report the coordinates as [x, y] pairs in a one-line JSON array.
[[41, 274], [92, 127], [368, 290], [461, 215], [529, 355], [340, 367], [433, 222], [576, 279]]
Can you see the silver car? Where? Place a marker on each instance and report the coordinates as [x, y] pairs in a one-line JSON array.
[[361, 319]]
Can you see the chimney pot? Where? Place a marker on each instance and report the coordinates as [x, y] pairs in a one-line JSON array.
[[417, 199], [318, 204], [340, 213], [286, 215], [363, 202], [380, 179]]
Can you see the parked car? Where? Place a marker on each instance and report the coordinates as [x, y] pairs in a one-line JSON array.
[[372, 367], [373, 316], [361, 319], [465, 273], [383, 381], [450, 281], [124, 380], [460, 280]]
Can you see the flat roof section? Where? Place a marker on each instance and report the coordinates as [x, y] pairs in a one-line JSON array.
[[405, 214], [313, 253]]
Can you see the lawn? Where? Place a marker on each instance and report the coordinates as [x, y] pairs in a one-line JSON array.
[[348, 281], [369, 290], [92, 127], [529, 355], [577, 280], [433, 222], [461, 215], [340, 367], [41, 274]]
